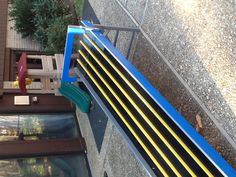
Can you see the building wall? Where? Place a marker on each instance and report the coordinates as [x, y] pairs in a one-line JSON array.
[[46, 104], [3, 25]]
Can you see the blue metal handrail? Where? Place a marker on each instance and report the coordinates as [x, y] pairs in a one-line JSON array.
[[186, 128]]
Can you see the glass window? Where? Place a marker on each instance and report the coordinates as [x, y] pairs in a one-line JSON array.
[[60, 166], [40, 126]]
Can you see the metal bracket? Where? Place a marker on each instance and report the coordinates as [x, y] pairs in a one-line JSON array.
[[118, 29]]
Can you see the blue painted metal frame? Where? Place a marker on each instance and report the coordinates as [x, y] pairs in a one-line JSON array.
[[71, 32], [117, 125], [196, 138]]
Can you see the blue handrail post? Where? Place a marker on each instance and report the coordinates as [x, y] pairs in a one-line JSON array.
[[71, 32]]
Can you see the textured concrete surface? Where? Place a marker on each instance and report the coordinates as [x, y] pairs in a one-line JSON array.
[[109, 13], [120, 161], [187, 51], [137, 9], [198, 39], [150, 64], [95, 159], [89, 14], [98, 121], [115, 157]]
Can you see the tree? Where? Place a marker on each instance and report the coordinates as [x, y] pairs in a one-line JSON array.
[[56, 34], [21, 12], [45, 21]]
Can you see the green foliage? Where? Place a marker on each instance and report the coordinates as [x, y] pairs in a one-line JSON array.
[[45, 13], [31, 125], [48, 9], [23, 16], [33, 167], [79, 6], [39, 18], [56, 34]]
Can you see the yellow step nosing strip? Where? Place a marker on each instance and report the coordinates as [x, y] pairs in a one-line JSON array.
[[153, 110], [124, 121], [141, 112], [132, 117]]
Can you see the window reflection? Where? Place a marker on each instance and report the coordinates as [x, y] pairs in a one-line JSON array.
[[60, 166], [39, 127], [33, 127]]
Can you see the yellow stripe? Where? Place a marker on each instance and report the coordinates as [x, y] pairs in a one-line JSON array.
[[152, 110], [132, 116], [140, 112], [124, 120]]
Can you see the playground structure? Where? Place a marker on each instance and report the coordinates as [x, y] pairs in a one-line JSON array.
[[44, 80], [161, 139]]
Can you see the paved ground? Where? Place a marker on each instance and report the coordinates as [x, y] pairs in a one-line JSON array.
[[114, 158], [186, 49]]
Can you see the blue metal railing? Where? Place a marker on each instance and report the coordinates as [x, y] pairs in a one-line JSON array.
[[103, 46]]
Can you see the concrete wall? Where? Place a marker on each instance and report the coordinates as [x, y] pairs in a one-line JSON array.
[[3, 24]]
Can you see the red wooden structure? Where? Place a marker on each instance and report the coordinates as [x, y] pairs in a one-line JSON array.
[[22, 73]]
